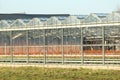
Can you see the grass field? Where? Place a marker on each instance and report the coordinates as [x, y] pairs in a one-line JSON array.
[[37, 73]]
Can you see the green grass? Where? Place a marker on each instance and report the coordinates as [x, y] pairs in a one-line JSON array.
[[37, 73]]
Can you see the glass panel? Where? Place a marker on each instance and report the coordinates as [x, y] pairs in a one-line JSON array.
[[92, 35], [18, 23], [112, 35], [53, 45], [35, 22], [71, 20], [92, 54], [53, 21], [91, 19], [112, 54], [19, 46], [114, 17], [36, 46], [4, 24], [5, 48], [72, 48]]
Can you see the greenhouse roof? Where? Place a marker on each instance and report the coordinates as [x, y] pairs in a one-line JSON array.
[[37, 20]]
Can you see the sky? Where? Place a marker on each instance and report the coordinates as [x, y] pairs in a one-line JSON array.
[[59, 6]]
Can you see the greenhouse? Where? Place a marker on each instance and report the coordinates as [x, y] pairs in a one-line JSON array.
[[60, 38]]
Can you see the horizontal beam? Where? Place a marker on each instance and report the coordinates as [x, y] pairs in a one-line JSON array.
[[59, 26]]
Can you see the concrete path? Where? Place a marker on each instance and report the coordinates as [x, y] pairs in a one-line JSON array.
[[108, 67]]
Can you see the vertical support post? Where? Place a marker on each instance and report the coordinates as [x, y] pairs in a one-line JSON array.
[[103, 49], [40, 44], [82, 54], [62, 46], [44, 46], [27, 47], [5, 48], [11, 46]]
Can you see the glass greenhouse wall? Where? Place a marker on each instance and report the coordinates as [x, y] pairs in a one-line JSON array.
[[94, 39]]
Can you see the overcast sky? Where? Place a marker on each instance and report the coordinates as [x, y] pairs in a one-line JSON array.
[[59, 6]]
